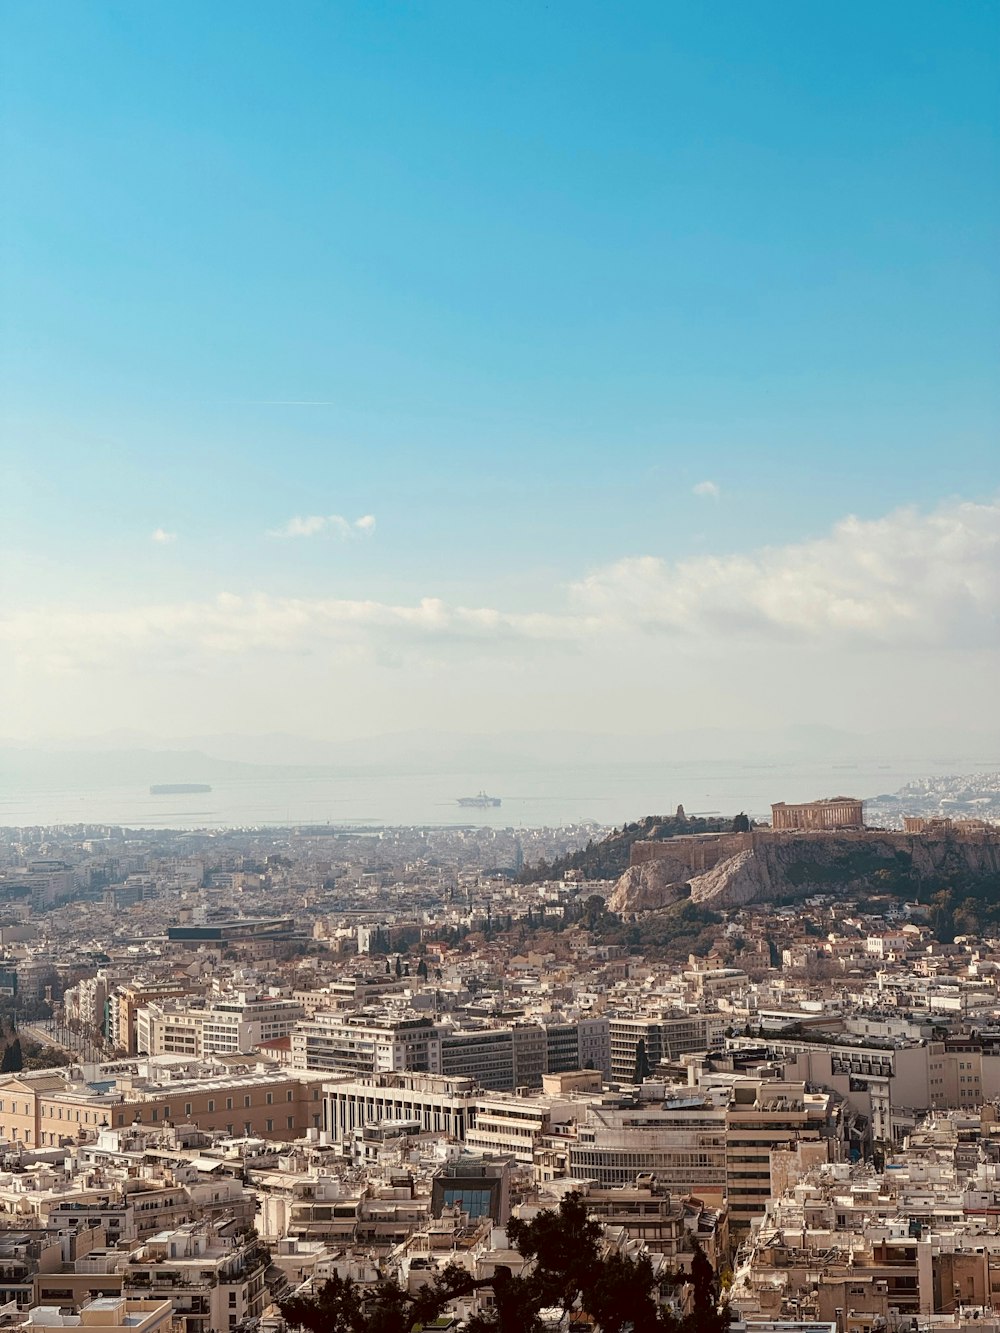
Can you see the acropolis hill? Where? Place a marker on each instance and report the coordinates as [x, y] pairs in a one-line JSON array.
[[817, 847]]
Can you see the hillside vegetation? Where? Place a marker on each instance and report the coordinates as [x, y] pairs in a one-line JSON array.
[[609, 858]]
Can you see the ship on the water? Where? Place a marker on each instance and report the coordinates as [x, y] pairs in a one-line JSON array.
[[177, 788], [480, 802]]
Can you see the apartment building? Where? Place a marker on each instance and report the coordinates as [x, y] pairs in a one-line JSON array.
[[228, 1025], [352, 992], [360, 1045], [512, 1126], [667, 1036], [893, 1082], [844, 1244], [584, 1044], [499, 1059], [764, 1119], [110, 1314], [125, 1001], [212, 1281]]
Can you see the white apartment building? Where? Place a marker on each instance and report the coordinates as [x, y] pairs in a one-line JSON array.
[[513, 1125], [356, 1044], [498, 1059], [225, 1027]]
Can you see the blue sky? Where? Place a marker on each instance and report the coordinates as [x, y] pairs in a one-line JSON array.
[[512, 279]]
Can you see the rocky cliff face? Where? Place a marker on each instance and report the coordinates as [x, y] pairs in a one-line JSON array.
[[644, 888], [779, 867]]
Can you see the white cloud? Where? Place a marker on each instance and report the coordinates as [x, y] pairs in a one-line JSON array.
[[908, 581], [709, 490], [229, 626], [162, 537], [333, 524], [910, 578]]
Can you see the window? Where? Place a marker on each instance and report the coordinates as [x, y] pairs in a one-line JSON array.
[[229, 1103], [187, 1108], [270, 1125], [269, 1099], [291, 1122], [289, 1095], [246, 1100], [211, 1105]]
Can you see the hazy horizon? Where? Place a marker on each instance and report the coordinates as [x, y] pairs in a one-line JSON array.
[[542, 778]]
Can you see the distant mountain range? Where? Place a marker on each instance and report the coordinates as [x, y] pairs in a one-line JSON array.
[[132, 756]]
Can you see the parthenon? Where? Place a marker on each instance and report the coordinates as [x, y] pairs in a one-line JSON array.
[[837, 812]]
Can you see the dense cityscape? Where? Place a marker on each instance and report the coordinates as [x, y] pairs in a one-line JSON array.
[[241, 1065]]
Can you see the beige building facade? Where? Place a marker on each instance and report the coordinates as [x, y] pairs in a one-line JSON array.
[[44, 1111]]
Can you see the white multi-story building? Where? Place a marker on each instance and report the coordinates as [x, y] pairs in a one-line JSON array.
[[356, 1044], [227, 1026]]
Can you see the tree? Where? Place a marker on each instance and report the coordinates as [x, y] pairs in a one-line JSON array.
[[741, 824], [399, 967], [593, 909], [568, 1269], [564, 1245], [13, 1060], [707, 1316], [643, 1068], [422, 970]]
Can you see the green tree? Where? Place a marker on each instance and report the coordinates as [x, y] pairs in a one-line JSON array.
[[564, 1245], [13, 1060], [615, 1293], [593, 909]]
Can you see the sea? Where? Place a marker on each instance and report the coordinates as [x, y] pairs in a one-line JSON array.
[[547, 795]]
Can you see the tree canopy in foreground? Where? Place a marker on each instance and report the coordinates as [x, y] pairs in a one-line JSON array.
[[568, 1271]]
